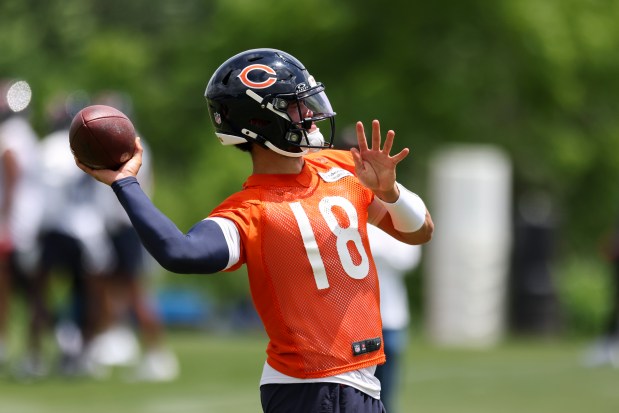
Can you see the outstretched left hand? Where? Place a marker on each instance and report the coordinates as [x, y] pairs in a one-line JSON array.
[[374, 166]]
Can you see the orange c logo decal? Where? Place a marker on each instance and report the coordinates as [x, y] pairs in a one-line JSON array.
[[244, 76]]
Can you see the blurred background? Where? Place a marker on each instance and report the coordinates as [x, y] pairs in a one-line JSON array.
[[509, 109]]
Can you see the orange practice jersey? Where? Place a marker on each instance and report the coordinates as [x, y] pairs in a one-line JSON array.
[[312, 278]]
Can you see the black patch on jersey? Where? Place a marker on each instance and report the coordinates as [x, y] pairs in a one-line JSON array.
[[366, 346]]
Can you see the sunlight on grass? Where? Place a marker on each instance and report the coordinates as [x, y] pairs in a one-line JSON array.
[[221, 373]]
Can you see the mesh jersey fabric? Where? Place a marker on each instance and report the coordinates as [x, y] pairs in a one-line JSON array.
[[311, 275]]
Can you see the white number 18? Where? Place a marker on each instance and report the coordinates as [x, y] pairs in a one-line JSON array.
[[343, 235]]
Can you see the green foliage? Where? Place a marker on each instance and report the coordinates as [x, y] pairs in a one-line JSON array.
[[584, 290]]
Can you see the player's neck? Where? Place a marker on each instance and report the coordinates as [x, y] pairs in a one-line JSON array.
[[265, 161]]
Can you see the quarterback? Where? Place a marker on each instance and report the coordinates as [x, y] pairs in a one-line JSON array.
[[299, 224]]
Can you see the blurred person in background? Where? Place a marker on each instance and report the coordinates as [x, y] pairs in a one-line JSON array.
[[73, 244], [127, 296], [300, 226], [394, 260], [20, 197]]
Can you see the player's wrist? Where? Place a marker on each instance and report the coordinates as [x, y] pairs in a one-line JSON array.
[[122, 181], [389, 196], [408, 212]]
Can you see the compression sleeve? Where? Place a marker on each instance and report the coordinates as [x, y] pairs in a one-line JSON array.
[[408, 213], [203, 250]]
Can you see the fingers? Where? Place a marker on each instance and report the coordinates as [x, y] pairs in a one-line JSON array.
[[138, 144], [96, 174], [356, 157], [388, 141], [376, 135], [82, 166], [361, 140], [401, 155], [376, 138]]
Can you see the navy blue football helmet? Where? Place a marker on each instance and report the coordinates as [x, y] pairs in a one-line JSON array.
[[268, 97]]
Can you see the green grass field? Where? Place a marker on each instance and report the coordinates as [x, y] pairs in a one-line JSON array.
[[220, 373]]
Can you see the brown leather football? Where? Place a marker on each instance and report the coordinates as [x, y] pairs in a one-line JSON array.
[[102, 137]]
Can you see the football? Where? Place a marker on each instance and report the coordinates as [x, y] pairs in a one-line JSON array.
[[102, 137]]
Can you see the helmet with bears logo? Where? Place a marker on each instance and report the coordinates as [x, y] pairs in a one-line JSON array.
[[268, 97]]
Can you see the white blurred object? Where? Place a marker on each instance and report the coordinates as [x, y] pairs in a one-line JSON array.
[[19, 138], [604, 352], [69, 338], [117, 346], [18, 96], [393, 260], [468, 257], [157, 365]]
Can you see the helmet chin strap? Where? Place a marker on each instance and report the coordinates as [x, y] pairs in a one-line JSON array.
[[285, 153], [274, 148]]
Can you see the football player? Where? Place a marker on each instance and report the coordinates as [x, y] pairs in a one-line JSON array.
[[300, 226], [20, 197]]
